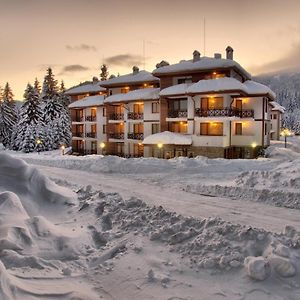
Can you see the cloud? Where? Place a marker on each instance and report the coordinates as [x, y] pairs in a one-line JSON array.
[[81, 47], [73, 68], [125, 60], [288, 63]]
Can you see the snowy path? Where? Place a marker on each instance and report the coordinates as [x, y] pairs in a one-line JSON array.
[[235, 211]]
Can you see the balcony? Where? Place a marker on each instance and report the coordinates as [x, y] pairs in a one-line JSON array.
[[77, 119], [177, 114], [77, 134], [135, 136], [224, 112], [91, 118], [117, 136], [91, 135], [135, 116], [116, 117]]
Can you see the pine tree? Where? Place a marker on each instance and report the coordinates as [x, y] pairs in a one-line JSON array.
[[37, 86], [104, 72], [50, 89], [7, 93], [29, 141], [63, 98]]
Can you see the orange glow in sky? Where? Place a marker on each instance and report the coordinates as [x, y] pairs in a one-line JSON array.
[[75, 37]]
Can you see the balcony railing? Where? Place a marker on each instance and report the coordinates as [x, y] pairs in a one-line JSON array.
[[77, 134], [177, 114], [116, 117], [91, 134], [135, 136], [77, 119], [117, 136], [91, 118], [135, 116], [225, 112]]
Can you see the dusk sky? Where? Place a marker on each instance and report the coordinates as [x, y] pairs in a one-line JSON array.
[[76, 36]]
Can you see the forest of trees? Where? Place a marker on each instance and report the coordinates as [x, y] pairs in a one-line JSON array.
[[43, 120]]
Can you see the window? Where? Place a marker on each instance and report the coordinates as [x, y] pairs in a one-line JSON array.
[[184, 80], [155, 128], [215, 128], [179, 105], [212, 103], [239, 104], [266, 127], [155, 107], [110, 92], [104, 112], [274, 116], [125, 90], [138, 128], [93, 128], [266, 105], [104, 129], [94, 146], [238, 128], [179, 127], [138, 108]]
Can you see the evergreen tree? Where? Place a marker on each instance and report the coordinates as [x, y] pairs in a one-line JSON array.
[[104, 72], [37, 86], [29, 141], [7, 94], [50, 89], [63, 98]]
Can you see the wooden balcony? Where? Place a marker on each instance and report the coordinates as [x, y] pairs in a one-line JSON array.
[[116, 117], [135, 136], [224, 112], [135, 116], [91, 135], [117, 136], [177, 114], [91, 118], [77, 119]]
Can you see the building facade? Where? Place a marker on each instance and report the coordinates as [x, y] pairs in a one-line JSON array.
[[204, 106]]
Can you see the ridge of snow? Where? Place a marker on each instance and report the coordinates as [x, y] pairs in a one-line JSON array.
[[88, 101], [178, 89], [85, 88], [254, 87], [168, 138], [276, 106], [141, 94]]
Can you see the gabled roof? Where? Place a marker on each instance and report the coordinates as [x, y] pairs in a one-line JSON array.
[[139, 77], [277, 107], [168, 138], [85, 88], [205, 63], [141, 94], [220, 85], [97, 100]]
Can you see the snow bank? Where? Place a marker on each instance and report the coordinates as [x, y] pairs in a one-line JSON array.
[[88, 102], [168, 138]]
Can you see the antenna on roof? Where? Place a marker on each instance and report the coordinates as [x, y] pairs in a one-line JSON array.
[[204, 36]]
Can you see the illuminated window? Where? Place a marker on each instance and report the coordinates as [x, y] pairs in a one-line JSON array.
[[212, 103], [125, 90], [179, 127], [215, 128], [238, 128]]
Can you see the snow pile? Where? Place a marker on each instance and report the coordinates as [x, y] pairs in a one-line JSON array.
[[206, 243], [168, 138], [88, 101]]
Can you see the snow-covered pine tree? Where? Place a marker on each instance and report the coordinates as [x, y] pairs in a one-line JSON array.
[[63, 98], [104, 72], [50, 88], [8, 115], [30, 117]]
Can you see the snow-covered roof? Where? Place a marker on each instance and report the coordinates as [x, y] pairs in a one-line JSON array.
[[255, 88], [178, 89], [205, 63], [168, 138], [86, 88], [277, 106], [139, 77], [141, 94], [219, 85], [88, 102], [216, 85]]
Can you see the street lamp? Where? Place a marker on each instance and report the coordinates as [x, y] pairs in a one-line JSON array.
[[102, 146], [285, 132], [62, 148], [38, 142]]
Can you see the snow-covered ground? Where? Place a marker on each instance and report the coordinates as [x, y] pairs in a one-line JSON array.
[[114, 228]]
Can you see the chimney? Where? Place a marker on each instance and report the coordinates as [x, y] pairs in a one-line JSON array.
[[135, 70], [95, 79], [163, 63], [229, 53], [196, 56], [218, 55]]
